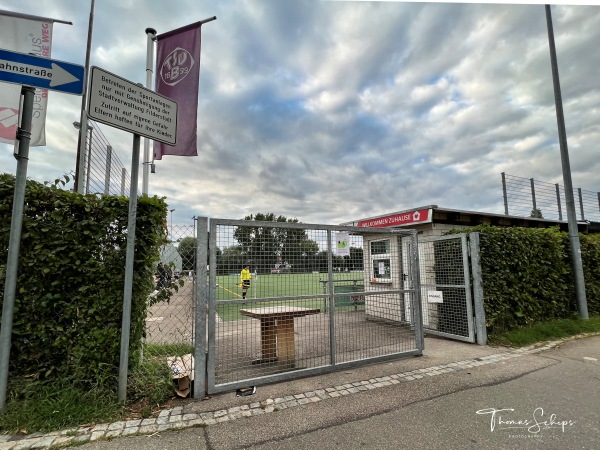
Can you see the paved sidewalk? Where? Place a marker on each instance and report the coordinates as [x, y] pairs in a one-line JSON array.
[[440, 357]]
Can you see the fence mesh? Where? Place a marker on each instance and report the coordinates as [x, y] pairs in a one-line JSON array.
[[103, 171], [170, 319], [445, 290], [284, 300], [527, 197]]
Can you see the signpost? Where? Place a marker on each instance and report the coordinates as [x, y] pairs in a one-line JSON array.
[[29, 70], [120, 103]]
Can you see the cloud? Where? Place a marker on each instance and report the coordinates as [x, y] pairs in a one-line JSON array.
[[335, 111]]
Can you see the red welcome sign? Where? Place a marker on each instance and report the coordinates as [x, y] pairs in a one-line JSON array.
[[394, 220]]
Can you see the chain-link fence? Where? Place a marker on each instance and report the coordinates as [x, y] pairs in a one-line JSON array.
[[103, 172], [529, 198]]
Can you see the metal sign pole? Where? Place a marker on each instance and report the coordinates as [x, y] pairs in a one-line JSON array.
[[129, 259], [14, 242]]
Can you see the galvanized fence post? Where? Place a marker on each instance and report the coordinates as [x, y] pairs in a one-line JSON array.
[[480, 328], [107, 170], [201, 310]]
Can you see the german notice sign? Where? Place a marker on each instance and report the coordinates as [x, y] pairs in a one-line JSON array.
[[122, 104]]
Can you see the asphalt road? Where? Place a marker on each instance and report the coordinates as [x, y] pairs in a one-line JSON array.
[[549, 400]]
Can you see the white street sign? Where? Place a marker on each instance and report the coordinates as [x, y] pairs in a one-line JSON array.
[[122, 104]]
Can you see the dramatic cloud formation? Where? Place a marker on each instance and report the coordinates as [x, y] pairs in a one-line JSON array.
[[334, 111]]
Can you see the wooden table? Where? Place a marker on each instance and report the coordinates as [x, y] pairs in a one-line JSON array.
[[277, 331]]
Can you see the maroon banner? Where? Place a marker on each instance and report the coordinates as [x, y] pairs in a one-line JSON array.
[[177, 77]]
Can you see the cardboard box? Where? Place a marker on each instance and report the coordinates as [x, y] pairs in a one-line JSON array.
[[182, 371]]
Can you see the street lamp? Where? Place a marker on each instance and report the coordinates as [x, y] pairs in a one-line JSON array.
[[172, 221]]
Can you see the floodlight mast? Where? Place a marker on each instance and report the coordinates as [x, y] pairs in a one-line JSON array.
[[566, 169]]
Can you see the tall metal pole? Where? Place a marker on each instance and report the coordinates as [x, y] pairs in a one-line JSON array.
[[566, 169], [172, 223], [83, 121], [14, 240], [129, 259], [151, 36], [89, 161], [504, 194], [108, 166]]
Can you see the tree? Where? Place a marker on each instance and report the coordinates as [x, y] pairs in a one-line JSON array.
[[187, 250], [266, 248], [231, 260], [536, 213]]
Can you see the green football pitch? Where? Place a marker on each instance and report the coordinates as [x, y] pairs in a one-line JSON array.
[[283, 285]]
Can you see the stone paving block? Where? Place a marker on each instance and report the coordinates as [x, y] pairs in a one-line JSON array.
[[82, 439], [113, 434], [149, 429], [25, 444], [133, 423], [97, 435], [129, 431], [116, 426], [44, 442], [164, 412]]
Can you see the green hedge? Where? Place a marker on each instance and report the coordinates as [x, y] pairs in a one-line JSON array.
[[68, 307], [527, 275]]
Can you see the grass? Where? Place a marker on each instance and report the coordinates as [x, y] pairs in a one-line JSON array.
[[546, 331], [266, 286], [55, 407], [51, 407]]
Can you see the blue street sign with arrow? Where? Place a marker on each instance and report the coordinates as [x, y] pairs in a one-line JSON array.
[[45, 73]]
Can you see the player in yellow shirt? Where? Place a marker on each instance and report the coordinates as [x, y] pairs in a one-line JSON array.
[[245, 277]]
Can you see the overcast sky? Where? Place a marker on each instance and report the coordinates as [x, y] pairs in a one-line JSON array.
[[334, 111]]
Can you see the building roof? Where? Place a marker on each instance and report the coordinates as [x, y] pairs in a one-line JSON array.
[[436, 214]]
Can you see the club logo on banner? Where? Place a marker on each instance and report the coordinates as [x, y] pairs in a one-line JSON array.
[[177, 77], [176, 67]]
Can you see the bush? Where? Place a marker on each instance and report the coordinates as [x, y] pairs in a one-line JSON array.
[[68, 307], [528, 278]]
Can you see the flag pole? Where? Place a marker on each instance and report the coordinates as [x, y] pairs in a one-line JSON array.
[[83, 122], [151, 36]]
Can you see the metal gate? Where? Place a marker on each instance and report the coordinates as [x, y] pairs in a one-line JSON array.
[[446, 287], [313, 299]]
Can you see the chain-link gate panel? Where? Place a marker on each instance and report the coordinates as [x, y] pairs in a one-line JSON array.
[[289, 300], [445, 287]]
